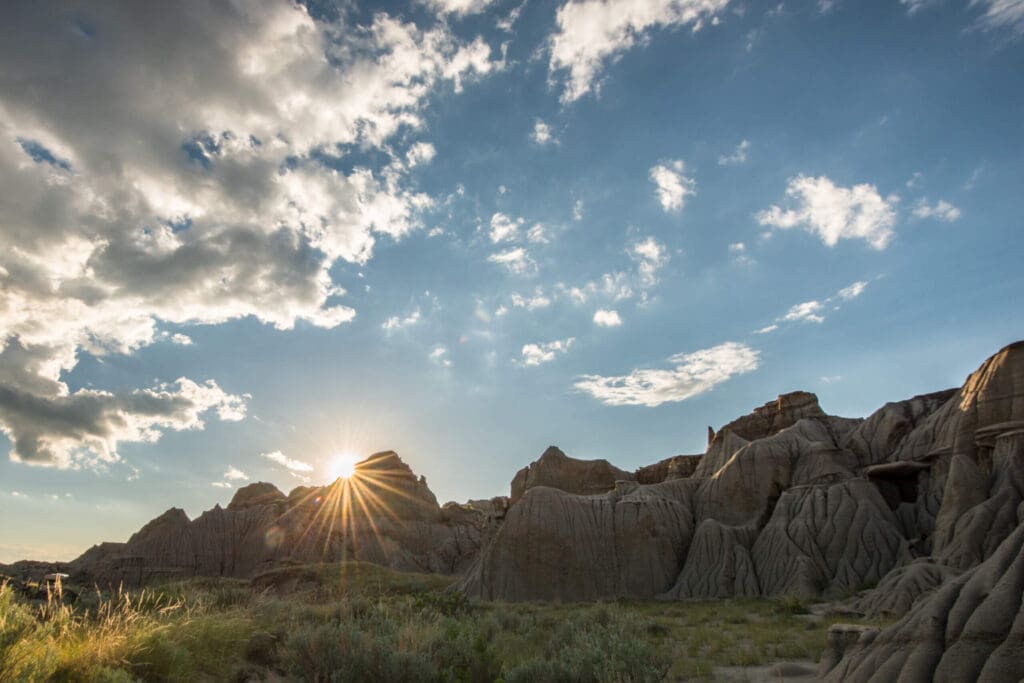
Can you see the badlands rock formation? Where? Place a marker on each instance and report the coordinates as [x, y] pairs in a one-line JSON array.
[[383, 514], [786, 501]]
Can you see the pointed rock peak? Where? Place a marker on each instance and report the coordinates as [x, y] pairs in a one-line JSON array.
[[384, 460], [259, 493], [552, 453], [173, 515]]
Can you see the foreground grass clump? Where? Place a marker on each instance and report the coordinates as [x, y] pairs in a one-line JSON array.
[[360, 622]]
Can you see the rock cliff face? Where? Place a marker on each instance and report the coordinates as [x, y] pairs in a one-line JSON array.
[[786, 501], [383, 514]]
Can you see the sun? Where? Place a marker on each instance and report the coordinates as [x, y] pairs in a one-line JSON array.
[[343, 465]]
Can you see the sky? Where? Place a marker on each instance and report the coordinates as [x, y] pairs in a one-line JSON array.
[[242, 241]]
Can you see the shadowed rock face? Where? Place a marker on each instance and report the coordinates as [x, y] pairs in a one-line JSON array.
[[557, 470], [383, 514]]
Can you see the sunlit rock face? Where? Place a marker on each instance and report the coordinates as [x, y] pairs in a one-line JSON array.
[[383, 513], [787, 501]]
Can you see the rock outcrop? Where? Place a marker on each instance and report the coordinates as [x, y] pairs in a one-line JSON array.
[[557, 470], [382, 514], [786, 501]]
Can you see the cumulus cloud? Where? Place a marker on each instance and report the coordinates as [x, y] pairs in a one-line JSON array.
[[739, 155], [188, 180], [941, 210], [538, 234], [606, 318], [650, 256], [542, 134], [672, 186], [290, 464], [833, 213], [503, 228], [691, 374], [231, 476], [536, 354], [50, 425], [809, 311], [516, 261], [593, 32], [420, 153]]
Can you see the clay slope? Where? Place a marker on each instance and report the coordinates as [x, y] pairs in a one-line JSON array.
[[383, 514], [970, 629], [787, 500]]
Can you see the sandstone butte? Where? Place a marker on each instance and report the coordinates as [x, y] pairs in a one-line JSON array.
[[916, 511]]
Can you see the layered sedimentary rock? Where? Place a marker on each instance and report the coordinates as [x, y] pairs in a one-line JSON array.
[[970, 629], [382, 514], [791, 501], [557, 470], [561, 546]]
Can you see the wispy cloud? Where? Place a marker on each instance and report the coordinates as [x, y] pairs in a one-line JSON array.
[[738, 156], [941, 210], [809, 311], [691, 374], [516, 261], [288, 463]]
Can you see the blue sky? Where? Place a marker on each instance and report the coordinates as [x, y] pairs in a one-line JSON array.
[[238, 243]]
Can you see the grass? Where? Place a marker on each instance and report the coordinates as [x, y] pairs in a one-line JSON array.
[[355, 621]]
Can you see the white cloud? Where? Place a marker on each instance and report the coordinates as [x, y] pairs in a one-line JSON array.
[[766, 329], [832, 379], [739, 254], [530, 303], [458, 7], [504, 229], [439, 354], [914, 179], [999, 14], [181, 339], [834, 213], [221, 484], [515, 260], [577, 210], [941, 210], [809, 311], [397, 323], [607, 318], [739, 155], [420, 153], [288, 463], [235, 474], [592, 32], [538, 234], [650, 256], [536, 354], [853, 291], [187, 188], [691, 374], [542, 134], [673, 187]]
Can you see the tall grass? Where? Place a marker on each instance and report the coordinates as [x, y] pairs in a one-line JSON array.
[[361, 623]]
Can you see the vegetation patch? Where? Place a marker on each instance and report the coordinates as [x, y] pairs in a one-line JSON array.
[[360, 622]]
